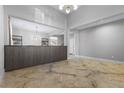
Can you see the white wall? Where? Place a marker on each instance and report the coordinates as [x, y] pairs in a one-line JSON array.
[[71, 43], [76, 42], [42, 14], [1, 43], [90, 13]]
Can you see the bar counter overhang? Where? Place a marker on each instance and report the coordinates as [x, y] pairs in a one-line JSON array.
[[17, 57]]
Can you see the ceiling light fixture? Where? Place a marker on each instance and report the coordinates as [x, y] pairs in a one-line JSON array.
[[61, 7], [68, 8], [75, 7]]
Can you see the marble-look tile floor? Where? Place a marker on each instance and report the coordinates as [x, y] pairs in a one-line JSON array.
[[72, 73]]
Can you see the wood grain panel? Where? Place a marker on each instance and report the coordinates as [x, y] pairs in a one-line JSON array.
[[25, 56]]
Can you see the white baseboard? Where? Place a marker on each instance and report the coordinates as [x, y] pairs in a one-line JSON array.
[[100, 59]]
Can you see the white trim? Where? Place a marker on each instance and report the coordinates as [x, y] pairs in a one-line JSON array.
[[1, 43], [100, 59]]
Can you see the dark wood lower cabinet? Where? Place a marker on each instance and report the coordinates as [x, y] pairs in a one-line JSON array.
[[17, 57]]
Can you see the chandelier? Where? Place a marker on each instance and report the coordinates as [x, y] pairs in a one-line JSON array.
[[68, 8]]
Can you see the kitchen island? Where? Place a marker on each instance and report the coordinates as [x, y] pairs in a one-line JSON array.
[[17, 57]]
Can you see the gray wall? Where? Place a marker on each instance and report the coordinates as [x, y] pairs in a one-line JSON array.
[[1, 43], [105, 41]]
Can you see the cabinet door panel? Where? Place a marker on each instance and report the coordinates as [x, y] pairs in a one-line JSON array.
[[25, 56], [8, 58]]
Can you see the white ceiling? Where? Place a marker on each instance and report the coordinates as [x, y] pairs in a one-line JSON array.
[[31, 26]]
